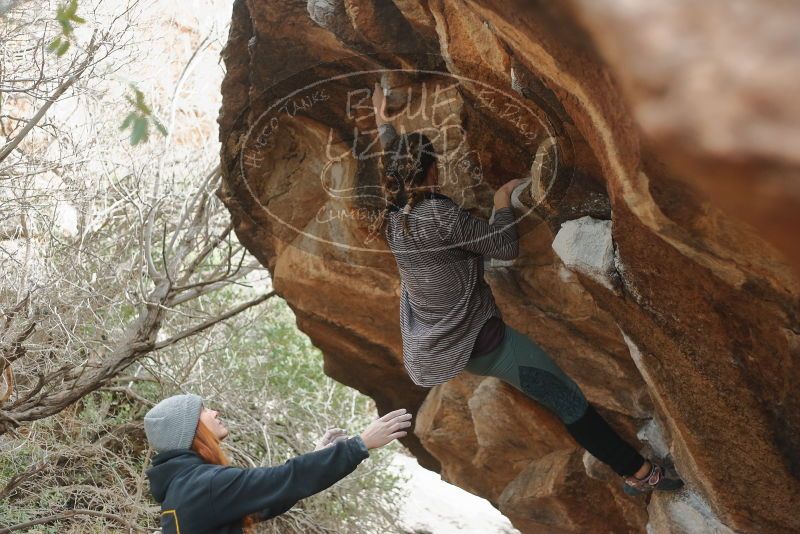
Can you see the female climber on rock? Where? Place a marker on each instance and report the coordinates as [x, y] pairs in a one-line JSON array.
[[200, 493], [448, 317]]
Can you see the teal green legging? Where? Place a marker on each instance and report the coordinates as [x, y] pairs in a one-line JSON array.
[[526, 366], [523, 364]]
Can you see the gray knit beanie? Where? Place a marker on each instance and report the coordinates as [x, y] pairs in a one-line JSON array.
[[172, 423]]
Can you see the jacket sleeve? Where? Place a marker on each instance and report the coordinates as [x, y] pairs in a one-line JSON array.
[[271, 491], [497, 240]]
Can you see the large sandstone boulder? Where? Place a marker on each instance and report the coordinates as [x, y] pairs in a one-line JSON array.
[[659, 258]]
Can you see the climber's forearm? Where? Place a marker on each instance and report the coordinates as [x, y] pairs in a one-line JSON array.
[[502, 201], [380, 119], [386, 133]]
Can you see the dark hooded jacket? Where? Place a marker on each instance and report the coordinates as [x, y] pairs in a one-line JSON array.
[[201, 498]]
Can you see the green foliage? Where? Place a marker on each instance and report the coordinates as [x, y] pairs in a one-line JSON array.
[[139, 119], [65, 15]]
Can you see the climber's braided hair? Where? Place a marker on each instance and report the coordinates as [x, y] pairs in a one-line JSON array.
[[406, 162]]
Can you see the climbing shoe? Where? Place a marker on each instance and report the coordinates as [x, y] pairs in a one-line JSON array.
[[655, 480]]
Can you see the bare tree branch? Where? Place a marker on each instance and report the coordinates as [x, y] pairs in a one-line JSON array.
[[214, 320], [60, 90], [17, 349], [73, 513]]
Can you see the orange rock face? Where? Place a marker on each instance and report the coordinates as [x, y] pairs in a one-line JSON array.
[[645, 129]]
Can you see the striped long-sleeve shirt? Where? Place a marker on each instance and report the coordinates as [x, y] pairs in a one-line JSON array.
[[444, 300]]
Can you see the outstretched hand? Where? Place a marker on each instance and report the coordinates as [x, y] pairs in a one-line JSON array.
[[386, 429], [332, 435]]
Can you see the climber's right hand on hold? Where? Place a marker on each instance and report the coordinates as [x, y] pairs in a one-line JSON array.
[[502, 197], [386, 429]]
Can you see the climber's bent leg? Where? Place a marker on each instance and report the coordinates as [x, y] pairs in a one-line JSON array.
[[526, 366], [523, 364], [594, 434]]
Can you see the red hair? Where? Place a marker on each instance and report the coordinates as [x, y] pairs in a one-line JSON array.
[[206, 445]]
